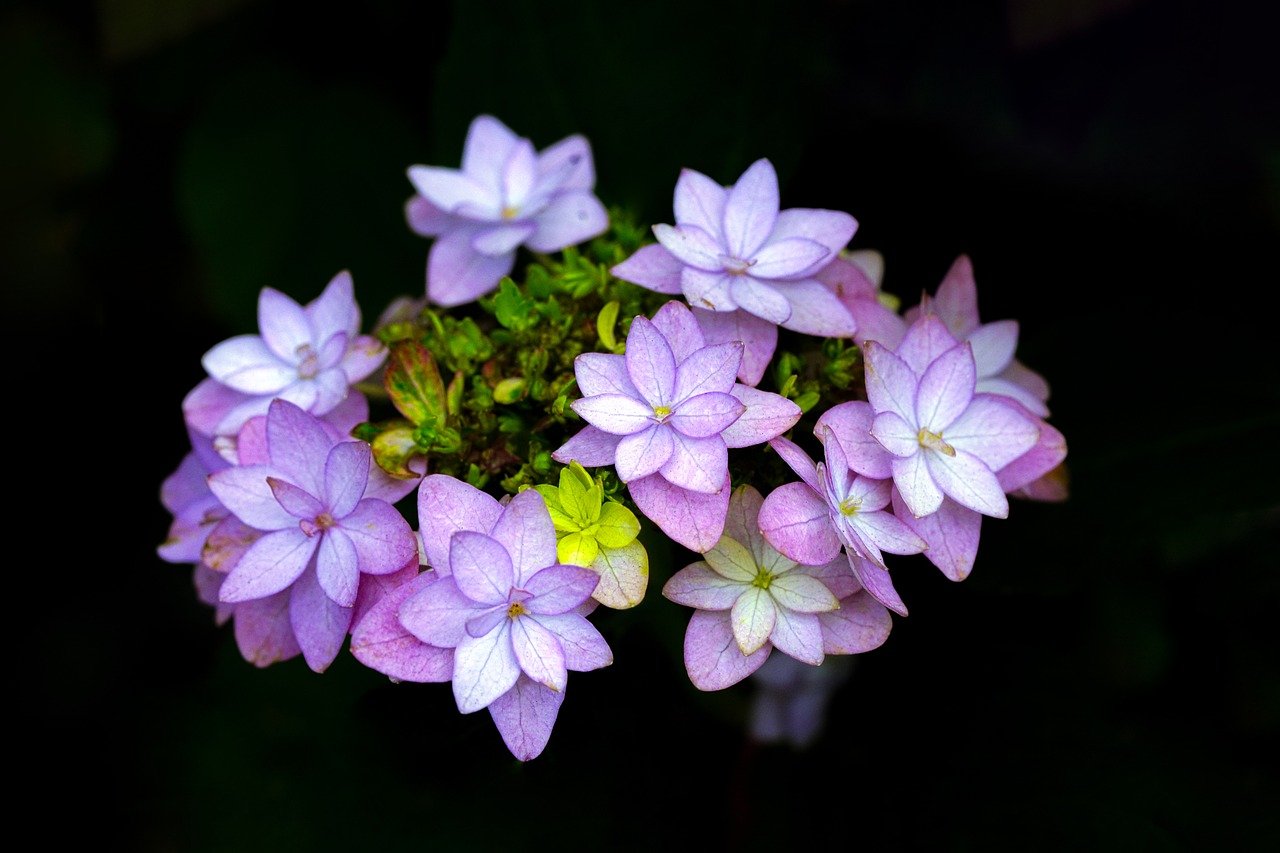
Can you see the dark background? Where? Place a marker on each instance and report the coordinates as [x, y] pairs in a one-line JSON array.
[[1107, 679]]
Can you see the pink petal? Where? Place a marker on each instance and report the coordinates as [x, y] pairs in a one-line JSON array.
[[676, 323], [751, 209], [616, 414], [708, 290], [797, 522], [425, 219], [1027, 379], [890, 533], [643, 453], [1049, 451], [835, 574], [832, 229], [709, 368], [697, 585], [711, 654], [584, 647], [650, 363], [336, 567], [993, 346], [190, 531], [381, 643], [876, 581], [297, 442], [526, 531], [489, 144], [571, 158], [437, 612], [765, 417], [891, 384], [758, 297], [383, 540], [967, 481], [481, 567], [691, 246], [603, 373], [705, 415], [759, 338], [919, 492], [788, 258], [498, 240], [457, 273], [956, 301], [692, 519], [373, 588], [525, 715], [742, 524], [850, 423], [895, 436], [484, 668], [591, 447], [652, 267], [860, 625], [697, 464], [263, 632], [572, 217], [246, 364], [270, 565], [558, 589], [815, 310], [798, 635], [346, 473], [797, 460], [451, 190], [699, 201], [539, 653], [319, 623], [284, 325], [945, 389], [926, 339], [447, 505], [1007, 388], [875, 322], [994, 430], [952, 533]]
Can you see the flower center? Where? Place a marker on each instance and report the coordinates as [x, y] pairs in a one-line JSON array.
[[308, 362], [319, 524], [736, 266], [762, 579], [850, 506], [510, 212], [662, 412], [933, 441], [515, 610]]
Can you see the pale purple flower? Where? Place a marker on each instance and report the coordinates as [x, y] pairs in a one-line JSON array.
[[309, 356], [945, 439], [508, 611], [196, 511], [321, 532], [860, 293], [665, 415], [731, 249], [505, 195]]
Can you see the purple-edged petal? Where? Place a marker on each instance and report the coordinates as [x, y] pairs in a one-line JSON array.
[[447, 505], [890, 533], [603, 373], [697, 464], [743, 526], [437, 613], [486, 620], [449, 189], [798, 635], [336, 567], [483, 669], [994, 430], [652, 267], [876, 581], [382, 538], [802, 593], [650, 363], [373, 588], [457, 273], [875, 322], [758, 297], [926, 339], [787, 258], [247, 493], [797, 522], [815, 310], [488, 146], [346, 473], [284, 325], [956, 301], [1047, 454], [708, 290], [297, 441], [833, 229], [293, 500], [751, 209], [335, 310], [319, 623], [643, 453], [699, 201], [966, 480], [525, 716], [709, 414], [709, 368], [711, 654], [246, 364], [919, 492], [860, 625], [850, 423], [481, 567], [945, 389], [752, 618], [895, 436], [1008, 388], [538, 652], [584, 647], [425, 219], [765, 416], [571, 218], [993, 346], [207, 404], [952, 533], [558, 589], [676, 323], [270, 565], [591, 447], [382, 643], [692, 519], [758, 336], [498, 240], [797, 460], [697, 585], [263, 632], [891, 383], [227, 543], [526, 531], [616, 414], [691, 246]]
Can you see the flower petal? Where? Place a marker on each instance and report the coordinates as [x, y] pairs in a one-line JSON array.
[[751, 209], [247, 493], [437, 612], [284, 325], [697, 585], [363, 356], [481, 567], [833, 229], [572, 217], [484, 668], [945, 389], [733, 560], [262, 630], [519, 174], [271, 564], [618, 525], [925, 340], [590, 447], [890, 533], [382, 643], [705, 415], [697, 464], [799, 634], [457, 273], [876, 581], [525, 715], [584, 647], [336, 567], [558, 589], [788, 258], [346, 473], [425, 219], [815, 310], [765, 417], [571, 159], [914, 482], [652, 267], [802, 593], [759, 338], [860, 625], [624, 576], [603, 373], [319, 623], [692, 519], [499, 240], [708, 368], [297, 441], [1048, 453], [891, 383], [207, 404], [447, 505], [650, 363], [538, 652], [452, 191], [752, 618], [526, 531], [851, 423], [952, 533], [245, 363], [968, 481], [489, 144], [796, 521], [743, 525], [758, 297], [699, 201], [691, 246], [797, 460], [616, 414], [994, 430], [711, 654], [382, 538], [676, 323], [993, 346], [643, 453], [895, 436], [956, 301], [835, 575], [708, 290]]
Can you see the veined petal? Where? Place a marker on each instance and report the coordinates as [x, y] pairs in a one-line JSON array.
[[708, 290], [319, 623], [691, 246], [481, 567], [676, 323], [603, 373], [450, 190], [526, 531], [891, 384], [860, 625], [382, 643], [1048, 453], [643, 453], [697, 464], [295, 501], [447, 505], [952, 533], [752, 618], [697, 585], [615, 414], [751, 209], [335, 310], [850, 423], [650, 363], [262, 630], [591, 447], [484, 668], [346, 473], [1008, 388], [246, 364], [925, 340], [297, 441], [709, 368], [538, 652], [815, 310], [382, 538], [709, 414], [758, 297], [624, 576], [876, 581], [336, 567], [802, 593], [797, 522], [759, 338], [733, 560], [699, 201], [711, 654], [437, 613], [570, 218], [789, 257], [652, 267], [558, 589], [765, 416], [525, 715], [457, 273], [895, 435], [967, 481], [247, 494], [618, 525], [945, 389], [835, 575], [584, 647], [693, 519], [956, 301], [798, 635], [284, 325], [919, 492], [833, 229], [497, 240], [993, 430], [743, 525], [889, 533], [271, 564], [797, 460], [993, 346]]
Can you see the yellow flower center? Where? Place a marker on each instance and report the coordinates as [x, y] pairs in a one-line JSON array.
[[516, 609], [933, 441]]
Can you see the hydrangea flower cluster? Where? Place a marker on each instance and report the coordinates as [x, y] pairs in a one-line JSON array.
[[742, 383]]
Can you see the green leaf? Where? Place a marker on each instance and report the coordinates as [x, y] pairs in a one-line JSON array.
[[562, 522], [580, 495], [605, 321], [624, 576], [511, 308], [414, 384], [393, 449], [619, 526], [577, 549]]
